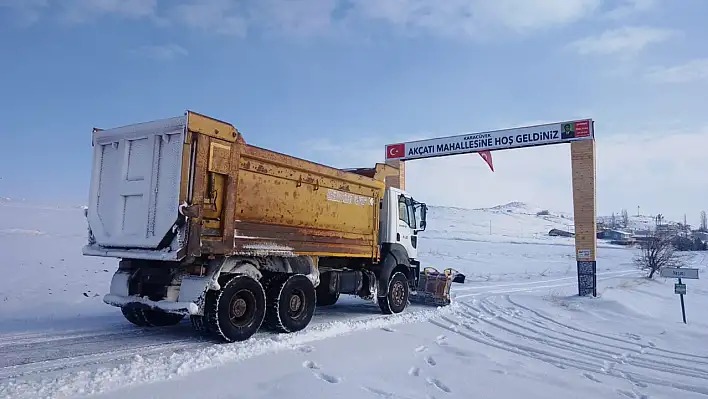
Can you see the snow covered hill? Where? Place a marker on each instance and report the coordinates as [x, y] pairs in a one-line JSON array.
[[515, 222], [515, 330]]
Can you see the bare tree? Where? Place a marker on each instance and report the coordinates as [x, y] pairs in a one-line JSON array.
[[704, 222], [625, 218], [657, 253], [613, 221]]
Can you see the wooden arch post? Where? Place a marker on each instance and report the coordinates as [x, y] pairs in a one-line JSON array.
[[582, 155], [398, 180]]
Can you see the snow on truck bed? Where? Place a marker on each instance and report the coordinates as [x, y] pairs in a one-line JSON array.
[[515, 329]]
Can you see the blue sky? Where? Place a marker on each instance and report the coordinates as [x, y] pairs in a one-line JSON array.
[[335, 80]]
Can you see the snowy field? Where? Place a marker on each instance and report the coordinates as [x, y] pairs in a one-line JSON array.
[[515, 329]]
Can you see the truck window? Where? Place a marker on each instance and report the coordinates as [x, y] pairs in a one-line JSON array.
[[403, 210], [406, 211], [411, 213]]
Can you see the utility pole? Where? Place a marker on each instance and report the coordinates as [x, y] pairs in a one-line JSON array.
[[637, 210]]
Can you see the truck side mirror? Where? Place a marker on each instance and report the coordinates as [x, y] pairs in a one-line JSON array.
[[423, 216]]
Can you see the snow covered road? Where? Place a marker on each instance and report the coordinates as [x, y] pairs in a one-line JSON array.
[[514, 330], [109, 341], [69, 360]]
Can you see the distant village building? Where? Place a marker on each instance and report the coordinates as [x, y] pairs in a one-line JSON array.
[[618, 237], [669, 229], [560, 233], [702, 235]]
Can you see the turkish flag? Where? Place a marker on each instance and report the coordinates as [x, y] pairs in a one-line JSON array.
[[487, 156], [394, 151]]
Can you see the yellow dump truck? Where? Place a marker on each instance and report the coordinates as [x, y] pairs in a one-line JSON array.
[[235, 236]]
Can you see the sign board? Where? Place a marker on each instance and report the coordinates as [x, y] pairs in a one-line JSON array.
[[529, 136], [584, 254], [587, 278], [679, 272], [680, 289]]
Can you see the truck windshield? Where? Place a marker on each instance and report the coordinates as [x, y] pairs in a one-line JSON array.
[[406, 211]]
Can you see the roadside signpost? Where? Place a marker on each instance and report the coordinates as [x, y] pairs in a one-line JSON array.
[[680, 287]]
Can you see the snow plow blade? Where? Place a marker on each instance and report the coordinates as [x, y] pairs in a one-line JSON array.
[[434, 286]]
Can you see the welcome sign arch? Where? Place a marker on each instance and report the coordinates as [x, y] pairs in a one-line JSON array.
[[581, 136]]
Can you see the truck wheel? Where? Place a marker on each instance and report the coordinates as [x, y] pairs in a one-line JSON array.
[[156, 318], [235, 312], [397, 298], [134, 315], [324, 296], [291, 303]]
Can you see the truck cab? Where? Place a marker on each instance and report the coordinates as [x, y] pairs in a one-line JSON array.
[[402, 217]]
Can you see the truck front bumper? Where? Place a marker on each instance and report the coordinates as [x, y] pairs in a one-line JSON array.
[[185, 308]]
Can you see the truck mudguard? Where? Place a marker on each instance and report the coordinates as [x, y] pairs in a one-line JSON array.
[[393, 255]]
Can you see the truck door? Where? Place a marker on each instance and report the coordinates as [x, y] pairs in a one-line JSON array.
[[406, 234]]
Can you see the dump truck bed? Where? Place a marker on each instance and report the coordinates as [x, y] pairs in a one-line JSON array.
[[306, 208], [191, 185]]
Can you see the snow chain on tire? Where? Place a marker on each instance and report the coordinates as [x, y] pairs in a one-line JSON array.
[[285, 292], [388, 303], [135, 316], [240, 294]]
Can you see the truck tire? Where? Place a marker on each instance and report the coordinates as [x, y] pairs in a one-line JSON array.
[[156, 318], [291, 303], [236, 311], [324, 296], [134, 315], [150, 318], [396, 299]]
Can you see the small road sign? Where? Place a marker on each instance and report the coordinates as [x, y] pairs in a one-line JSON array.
[[679, 272], [680, 288]]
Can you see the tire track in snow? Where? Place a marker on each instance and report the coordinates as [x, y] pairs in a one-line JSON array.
[[122, 330], [542, 281], [694, 358], [64, 364], [594, 352], [27, 354], [533, 285], [626, 357], [590, 366], [83, 349], [161, 367]]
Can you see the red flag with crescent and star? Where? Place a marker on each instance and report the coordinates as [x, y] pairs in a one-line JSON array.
[[394, 151], [487, 156]]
